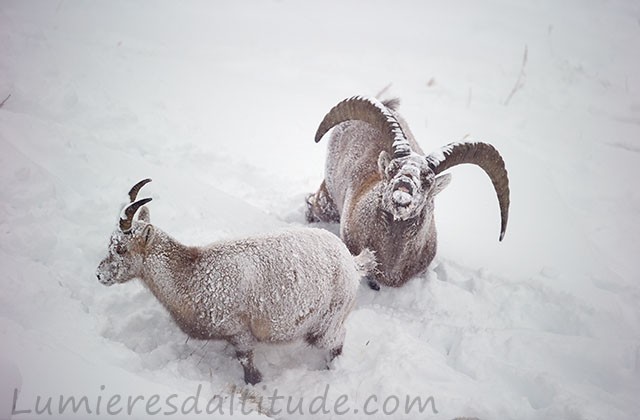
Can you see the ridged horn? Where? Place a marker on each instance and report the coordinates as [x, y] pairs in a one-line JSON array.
[[371, 111], [133, 192], [129, 212], [485, 156]]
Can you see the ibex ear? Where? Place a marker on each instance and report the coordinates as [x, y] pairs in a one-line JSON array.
[[148, 234], [143, 214], [383, 162], [441, 183]]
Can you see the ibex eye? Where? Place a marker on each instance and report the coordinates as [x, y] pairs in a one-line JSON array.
[[121, 250]]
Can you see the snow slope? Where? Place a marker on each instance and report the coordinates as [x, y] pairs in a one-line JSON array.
[[218, 103]]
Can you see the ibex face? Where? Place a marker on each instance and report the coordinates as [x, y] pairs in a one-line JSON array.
[[127, 243], [410, 185], [124, 259]]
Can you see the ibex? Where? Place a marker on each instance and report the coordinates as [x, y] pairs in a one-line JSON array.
[[296, 284], [380, 186]]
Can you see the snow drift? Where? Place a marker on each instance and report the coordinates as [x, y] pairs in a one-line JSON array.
[[218, 103]]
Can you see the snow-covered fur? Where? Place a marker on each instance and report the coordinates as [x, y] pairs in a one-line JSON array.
[[295, 284], [380, 186]]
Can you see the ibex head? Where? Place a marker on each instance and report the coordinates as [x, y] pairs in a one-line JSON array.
[[128, 242], [411, 180], [409, 184]]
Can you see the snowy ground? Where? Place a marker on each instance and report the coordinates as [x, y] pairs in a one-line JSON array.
[[218, 103]]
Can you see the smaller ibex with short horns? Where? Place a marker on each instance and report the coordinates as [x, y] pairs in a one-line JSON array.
[[296, 284], [380, 185]]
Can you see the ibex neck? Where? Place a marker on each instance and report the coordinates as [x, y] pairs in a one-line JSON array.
[[407, 248], [168, 273]]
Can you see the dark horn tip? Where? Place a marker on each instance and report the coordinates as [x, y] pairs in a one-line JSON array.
[[144, 201], [133, 193]]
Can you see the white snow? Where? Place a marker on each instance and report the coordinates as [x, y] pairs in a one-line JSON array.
[[544, 325], [402, 197]]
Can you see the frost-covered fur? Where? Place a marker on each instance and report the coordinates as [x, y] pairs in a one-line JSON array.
[[299, 283], [361, 191]]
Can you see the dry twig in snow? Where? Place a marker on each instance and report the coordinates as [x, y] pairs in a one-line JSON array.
[[521, 77], [5, 100]]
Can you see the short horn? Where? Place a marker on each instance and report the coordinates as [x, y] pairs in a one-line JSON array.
[[133, 193], [488, 158], [129, 212], [371, 111]]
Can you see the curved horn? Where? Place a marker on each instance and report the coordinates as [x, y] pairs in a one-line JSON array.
[[133, 192], [371, 111], [483, 155], [129, 212]]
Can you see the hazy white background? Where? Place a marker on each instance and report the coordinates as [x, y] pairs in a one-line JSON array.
[[218, 102]]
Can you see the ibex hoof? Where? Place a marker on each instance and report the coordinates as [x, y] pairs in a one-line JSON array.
[[309, 215], [252, 377], [374, 285]]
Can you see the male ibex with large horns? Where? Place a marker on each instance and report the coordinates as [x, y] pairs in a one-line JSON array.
[[380, 186]]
